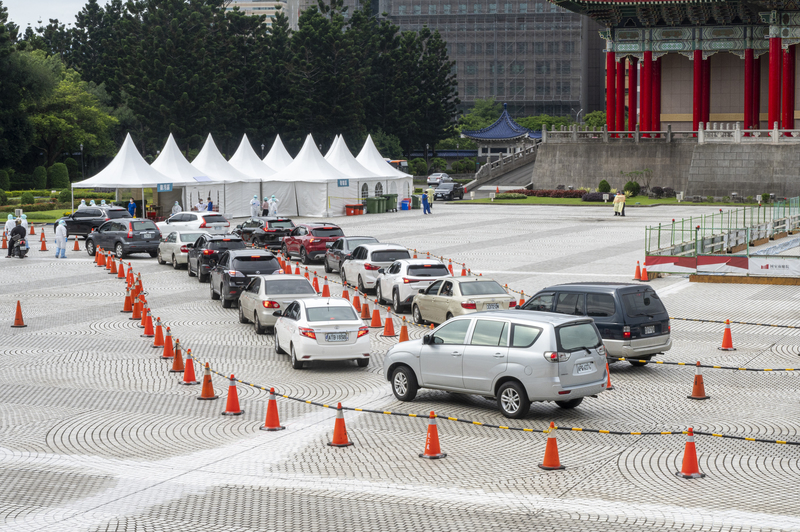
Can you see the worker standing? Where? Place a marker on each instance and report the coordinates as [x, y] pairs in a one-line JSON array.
[[61, 240]]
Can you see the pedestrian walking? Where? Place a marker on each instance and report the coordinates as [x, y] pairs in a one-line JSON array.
[[61, 240], [430, 198], [619, 204], [426, 207], [131, 208]]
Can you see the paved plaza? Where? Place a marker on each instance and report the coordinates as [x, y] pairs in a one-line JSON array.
[[96, 435]]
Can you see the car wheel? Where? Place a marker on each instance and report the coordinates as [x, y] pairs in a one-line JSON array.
[[90, 248], [397, 307], [304, 256], [242, 319], [226, 303], [417, 315], [570, 404], [362, 362], [153, 254], [296, 364], [175, 264], [361, 286], [343, 276], [340, 267], [378, 292], [278, 348], [285, 252], [160, 260], [214, 295], [189, 268], [258, 327], [448, 317], [328, 268], [512, 400], [118, 251], [404, 383], [203, 277], [639, 362]]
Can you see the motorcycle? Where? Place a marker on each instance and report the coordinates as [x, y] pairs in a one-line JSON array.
[[19, 248]]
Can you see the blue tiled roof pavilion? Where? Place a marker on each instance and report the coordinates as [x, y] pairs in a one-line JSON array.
[[503, 130]]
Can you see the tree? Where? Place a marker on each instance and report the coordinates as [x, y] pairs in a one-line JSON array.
[[59, 177], [438, 164], [483, 113], [418, 166], [595, 119], [536, 123], [73, 168], [27, 198], [40, 178], [437, 90], [5, 182]]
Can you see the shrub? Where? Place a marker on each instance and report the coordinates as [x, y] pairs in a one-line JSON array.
[[5, 182], [438, 164], [468, 165], [669, 192], [40, 177], [726, 199], [510, 195], [58, 176], [632, 187], [749, 199], [603, 186], [593, 196], [65, 196], [657, 191], [27, 199], [710, 199], [560, 187], [765, 198], [457, 167], [3, 198], [418, 166], [72, 168]]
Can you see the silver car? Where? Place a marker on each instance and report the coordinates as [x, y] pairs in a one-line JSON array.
[[173, 250], [512, 356], [267, 294]]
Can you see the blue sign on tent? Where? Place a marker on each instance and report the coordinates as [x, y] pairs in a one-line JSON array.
[[343, 182], [164, 187]]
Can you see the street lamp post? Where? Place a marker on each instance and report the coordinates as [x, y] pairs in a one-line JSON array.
[[82, 173], [426, 158], [262, 151]]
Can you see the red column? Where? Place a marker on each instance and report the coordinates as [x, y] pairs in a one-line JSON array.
[[611, 97], [757, 93], [748, 90], [697, 85], [633, 93], [707, 91], [620, 122], [647, 92], [774, 97], [792, 82], [786, 96], [656, 95]]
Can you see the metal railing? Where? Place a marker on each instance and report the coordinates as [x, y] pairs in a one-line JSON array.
[[506, 163]]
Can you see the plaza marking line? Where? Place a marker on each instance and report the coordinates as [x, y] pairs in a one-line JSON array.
[[739, 323], [695, 365]]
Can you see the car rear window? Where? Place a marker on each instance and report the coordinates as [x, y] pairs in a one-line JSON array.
[[232, 243], [330, 314], [255, 263], [428, 270], [122, 213], [481, 288], [578, 336], [281, 224], [288, 286], [445, 186], [645, 303], [190, 237], [144, 225], [327, 231], [390, 255], [214, 218], [355, 242]]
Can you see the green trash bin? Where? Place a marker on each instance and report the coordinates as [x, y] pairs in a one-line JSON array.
[[391, 202], [381, 204], [372, 205], [416, 202]]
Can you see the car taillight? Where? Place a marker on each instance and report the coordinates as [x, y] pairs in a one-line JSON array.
[[269, 230], [308, 333], [406, 280], [371, 267], [314, 240], [626, 333], [107, 219], [203, 225], [234, 273], [552, 356], [601, 350], [512, 303], [363, 331], [184, 249], [130, 230], [271, 304], [209, 252], [470, 305]]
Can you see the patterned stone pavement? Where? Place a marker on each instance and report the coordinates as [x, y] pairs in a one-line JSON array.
[[96, 435]]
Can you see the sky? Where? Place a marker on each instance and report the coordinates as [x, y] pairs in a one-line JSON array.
[[24, 12]]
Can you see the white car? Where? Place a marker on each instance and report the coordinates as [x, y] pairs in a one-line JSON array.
[[173, 250], [324, 328], [267, 294], [362, 265], [405, 278], [210, 222], [438, 178]]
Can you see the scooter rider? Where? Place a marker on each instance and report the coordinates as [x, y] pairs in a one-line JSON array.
[[19, 232]]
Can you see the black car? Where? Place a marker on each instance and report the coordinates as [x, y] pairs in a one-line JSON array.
[[448, 191], [335, 254], [125, 236], [631, 317], [205, 251], [265, 231], [235, 268], [84, 221]]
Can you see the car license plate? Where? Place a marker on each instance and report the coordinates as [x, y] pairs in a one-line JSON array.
[[147, 235], [651, 329], [492, 306], [336, 337], [586, 367]]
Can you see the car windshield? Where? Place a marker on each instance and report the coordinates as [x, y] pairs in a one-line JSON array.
[[114, 213], [281, 224], [288, 286], [445, 186], [144, 225], [481, 288], [428, 270], [330, 314], [355, 242], [190, 237], [578, 336], [228, 243], [255, 263], [390, 255], [214, 218], [645, 303], [327, 231]]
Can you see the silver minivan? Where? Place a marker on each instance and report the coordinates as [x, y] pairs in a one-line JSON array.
[[510, 356]]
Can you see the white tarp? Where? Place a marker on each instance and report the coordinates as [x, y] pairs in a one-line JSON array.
[[359, 177], [127, 170], [400, 183], [246, 161], [193, 183], [278, 158], [237, 188]]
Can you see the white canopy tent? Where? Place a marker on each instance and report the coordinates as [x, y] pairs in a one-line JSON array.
[[363, 181], [246, 161], [399, 182], [237, 188], [181, 174], [278, 158]]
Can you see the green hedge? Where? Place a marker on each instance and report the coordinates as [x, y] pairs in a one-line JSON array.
[[36, 207], [510, 195]]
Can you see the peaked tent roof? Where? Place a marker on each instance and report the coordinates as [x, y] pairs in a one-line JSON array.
[[278, 158], [309, 166], [503, 129], [340, 157], [211, 161], [246, 161], [371, 159], [127, 170], [178, 170]]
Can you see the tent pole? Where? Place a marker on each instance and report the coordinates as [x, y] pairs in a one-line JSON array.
[[72, 204], [143, 211]]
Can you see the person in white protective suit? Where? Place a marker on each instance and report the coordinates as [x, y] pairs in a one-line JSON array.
[[254, 207], [10, 224], [273, 205], [82, 205], [61, 240], [176, 208], [24, 219]]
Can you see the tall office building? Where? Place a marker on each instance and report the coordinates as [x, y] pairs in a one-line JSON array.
[[258, 7]]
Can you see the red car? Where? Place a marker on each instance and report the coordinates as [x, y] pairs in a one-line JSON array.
[[310, 241]]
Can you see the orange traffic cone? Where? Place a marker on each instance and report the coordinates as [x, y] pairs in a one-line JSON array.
[[169, 351], [388, 330], [306, 274], [129, 277], [690, 468], [121, 271], [608, 373], [158, 340], [356, 301], [315, 283], [34, 232], [365, 311], [551, 460], [521, 298], [497, 190], [432, 327], [450, 267], [376, 318], [77, 246], [345, 293], [145, 310], [207, 391], [339, 430], [727, 339], [463, 270], [326, 290], [137, 309], [232, 405], [102, 260], [18, 323], [698, 388], [432, 449], [44, 245], [403, 332], [188, 373], [113, 269], [415, 254], [272, 422], [127, 307], [297, 269], [638, 275], [97, 257], [148, 325], [40, 234], [645, 276], [5, 242]]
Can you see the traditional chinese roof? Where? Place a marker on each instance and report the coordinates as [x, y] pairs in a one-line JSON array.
[[504, 129]]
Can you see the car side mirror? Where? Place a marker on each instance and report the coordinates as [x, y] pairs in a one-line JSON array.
[[169, 222], [239, 226], [189, 244], [421, 290], [347, 257], [381, 270], [277, 314], [426, 339]]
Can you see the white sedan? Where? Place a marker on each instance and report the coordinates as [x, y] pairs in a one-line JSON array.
[[210, 222], [173, 250], [324, 328]]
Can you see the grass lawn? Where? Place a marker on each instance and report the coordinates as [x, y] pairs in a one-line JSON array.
[[41, 216], [533, 200]]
